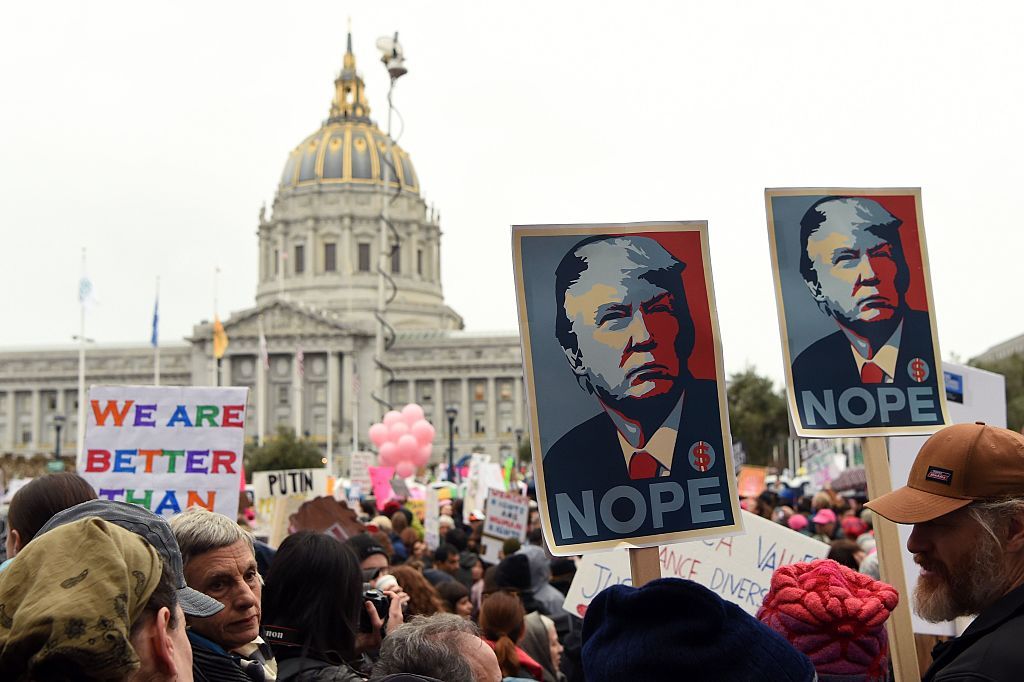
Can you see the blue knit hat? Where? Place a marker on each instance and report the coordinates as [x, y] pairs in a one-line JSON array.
[[672, 629]]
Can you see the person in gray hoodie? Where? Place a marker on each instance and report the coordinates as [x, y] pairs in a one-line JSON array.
[[548, 596]]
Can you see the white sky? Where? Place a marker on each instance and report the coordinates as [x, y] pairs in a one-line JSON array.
[[152, 132]]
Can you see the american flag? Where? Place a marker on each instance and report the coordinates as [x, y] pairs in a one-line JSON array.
[[301, 360]]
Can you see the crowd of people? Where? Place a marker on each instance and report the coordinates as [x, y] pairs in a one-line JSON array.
[[93, 589]]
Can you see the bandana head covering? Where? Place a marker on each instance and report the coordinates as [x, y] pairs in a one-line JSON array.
[[68, 602]]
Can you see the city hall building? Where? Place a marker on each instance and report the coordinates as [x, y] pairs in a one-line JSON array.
[[316, 305]]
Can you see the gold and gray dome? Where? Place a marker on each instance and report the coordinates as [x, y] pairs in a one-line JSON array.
[[349, 148]]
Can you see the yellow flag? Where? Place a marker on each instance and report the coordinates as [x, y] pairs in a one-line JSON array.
[[220, 338]]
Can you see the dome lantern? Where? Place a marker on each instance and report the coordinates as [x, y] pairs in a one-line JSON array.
[[349, 90]]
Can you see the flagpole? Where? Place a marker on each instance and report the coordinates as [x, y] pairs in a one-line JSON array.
[[356, 385], [82, 295], [330, 418], [213, 345], [156, 335]]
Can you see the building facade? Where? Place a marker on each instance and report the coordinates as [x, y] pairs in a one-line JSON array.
[[348, 229]]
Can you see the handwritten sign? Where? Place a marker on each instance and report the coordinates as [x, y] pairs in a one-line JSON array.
[[738, 568], [359, 470], [303, 484], [505, 517], [165, 448]]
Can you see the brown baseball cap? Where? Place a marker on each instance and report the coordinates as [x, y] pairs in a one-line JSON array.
[[956, 466]]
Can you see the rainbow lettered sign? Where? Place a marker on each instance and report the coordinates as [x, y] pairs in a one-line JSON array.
[[165, 448]]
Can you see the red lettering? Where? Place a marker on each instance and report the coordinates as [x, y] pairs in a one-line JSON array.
[[110, 411], [223, 458], [149, 455], [232, 416], [97, 460]]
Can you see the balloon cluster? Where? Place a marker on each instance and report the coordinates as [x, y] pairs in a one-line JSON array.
[[403, 439]]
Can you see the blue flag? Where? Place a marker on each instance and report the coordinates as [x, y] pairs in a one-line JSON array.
[[154, 339]]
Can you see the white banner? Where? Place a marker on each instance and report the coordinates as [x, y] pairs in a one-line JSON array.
[[359, 471], [431, 524], [165, 448], [738, 568]]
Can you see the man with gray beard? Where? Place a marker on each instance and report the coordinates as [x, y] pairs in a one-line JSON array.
[[965, 498]]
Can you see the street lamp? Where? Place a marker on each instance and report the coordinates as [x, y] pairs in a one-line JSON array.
[[58, 424], [451, 412], [519, 445]]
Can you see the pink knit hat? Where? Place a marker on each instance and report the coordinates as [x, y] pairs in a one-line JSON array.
[[834, 615]]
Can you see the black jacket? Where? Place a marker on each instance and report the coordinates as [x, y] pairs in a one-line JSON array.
[[990, 649]]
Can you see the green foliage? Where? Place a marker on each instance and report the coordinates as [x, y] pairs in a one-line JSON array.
[[1012, 368], [757, 415], [283, 451]]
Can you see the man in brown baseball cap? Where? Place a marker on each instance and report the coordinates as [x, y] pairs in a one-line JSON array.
[[965, 498]]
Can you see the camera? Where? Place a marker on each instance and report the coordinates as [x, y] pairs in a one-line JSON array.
[[380, 601]]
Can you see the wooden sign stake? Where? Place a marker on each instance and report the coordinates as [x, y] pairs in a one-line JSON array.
[[644, 565], [903, 651]]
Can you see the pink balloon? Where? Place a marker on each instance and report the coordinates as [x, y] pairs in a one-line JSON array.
[[392, 417], [407, 447], [405, 469], [397, 430], [388, 454], [412, 413], [423, 431], [378, 434], [423, 455]]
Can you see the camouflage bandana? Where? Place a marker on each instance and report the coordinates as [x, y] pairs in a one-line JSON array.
[[68, 601]]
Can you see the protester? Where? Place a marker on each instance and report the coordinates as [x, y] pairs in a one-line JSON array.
[[34, 504], [446, 559], [672, 629], [833, 615], [824, 525], [373, 558], [444, 646], [312, 605], [541, 643], [563, 570], [220, 562], [424, 600], [550, 599], [502, 625], [965, 498], [91, 601], [456, 598], [846, 552]]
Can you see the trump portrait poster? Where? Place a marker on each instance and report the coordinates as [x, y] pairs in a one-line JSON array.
[[628, 418], [855, 311]]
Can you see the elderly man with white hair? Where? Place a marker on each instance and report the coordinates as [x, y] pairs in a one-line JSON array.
[[220, 562]]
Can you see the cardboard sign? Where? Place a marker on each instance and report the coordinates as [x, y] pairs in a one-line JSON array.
[[628, 417], [359, 470], [431, 525], [751, 481], [505, 516], [165, 448], [855, 311], [483, 475], [738, 568], [308, 483]]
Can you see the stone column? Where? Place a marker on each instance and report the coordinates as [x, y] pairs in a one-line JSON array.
[[348, 396], [345, 247], [225, 370], [37, 440], [12, 425], [492, 409], [465, 418], [439, 405], [297, 397], [517, 404]]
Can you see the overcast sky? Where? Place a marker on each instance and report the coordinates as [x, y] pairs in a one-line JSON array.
[[151, 133]]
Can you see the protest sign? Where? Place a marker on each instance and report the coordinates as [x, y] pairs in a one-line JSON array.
[[482, 476], [431, 525], [751, 480], [738, 568], [380, 481], [359, 470], [505, 516], [302, 484], [855, 311], [165, 448], [624, 370]]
